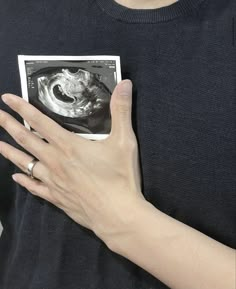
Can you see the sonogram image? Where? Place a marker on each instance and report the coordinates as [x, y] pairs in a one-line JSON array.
[[74, 93]]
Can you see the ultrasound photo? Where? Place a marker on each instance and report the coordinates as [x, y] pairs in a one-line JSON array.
[[75, 91]]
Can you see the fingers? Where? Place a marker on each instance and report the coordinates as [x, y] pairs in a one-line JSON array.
[[21, 160], [31, 142], [34, 186], [121, 109], [44, 125]]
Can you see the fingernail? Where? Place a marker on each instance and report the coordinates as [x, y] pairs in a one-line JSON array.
[[125, 88], [14, 178], [5, 98]]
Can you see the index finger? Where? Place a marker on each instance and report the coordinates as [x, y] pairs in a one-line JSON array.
[[44, 125]]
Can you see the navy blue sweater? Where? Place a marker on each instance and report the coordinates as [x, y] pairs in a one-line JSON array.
[[182, 61]]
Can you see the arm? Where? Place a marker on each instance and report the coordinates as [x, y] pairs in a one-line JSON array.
[[103, 197], [178, 255]]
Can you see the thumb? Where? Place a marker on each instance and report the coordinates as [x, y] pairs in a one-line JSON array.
[[121, 109]]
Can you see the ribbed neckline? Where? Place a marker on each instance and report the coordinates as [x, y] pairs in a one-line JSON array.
[[122, 13]]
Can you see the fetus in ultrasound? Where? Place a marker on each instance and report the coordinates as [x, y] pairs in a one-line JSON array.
[[74, 93]]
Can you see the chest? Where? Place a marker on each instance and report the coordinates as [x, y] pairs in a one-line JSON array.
[[183, 104]]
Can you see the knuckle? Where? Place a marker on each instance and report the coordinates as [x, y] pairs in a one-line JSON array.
[[21, 137], [17, 103], [33, 118], [3, 118], [33, 190], [128, 144], [123, 107], [19, 164], [44, 177], [52, 199], [131, 147], [72, 149], [121, 144]]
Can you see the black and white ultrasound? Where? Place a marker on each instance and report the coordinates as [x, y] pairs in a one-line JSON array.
[[76, 94]]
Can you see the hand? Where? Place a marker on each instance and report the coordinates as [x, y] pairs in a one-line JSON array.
[[96, 183]]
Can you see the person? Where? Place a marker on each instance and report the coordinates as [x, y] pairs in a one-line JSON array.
[[151, 206]]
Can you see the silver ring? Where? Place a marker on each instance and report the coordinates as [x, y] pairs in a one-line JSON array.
[[30, 167]]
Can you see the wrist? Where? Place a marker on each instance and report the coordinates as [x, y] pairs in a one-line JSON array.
[[120, 220], [127, 231]]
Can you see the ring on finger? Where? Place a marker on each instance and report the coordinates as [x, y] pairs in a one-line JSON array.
[[30, 167]]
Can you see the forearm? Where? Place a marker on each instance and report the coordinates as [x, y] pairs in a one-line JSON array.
[[178, 255]]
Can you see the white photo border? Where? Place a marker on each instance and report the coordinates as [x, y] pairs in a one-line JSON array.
[[23, 78]]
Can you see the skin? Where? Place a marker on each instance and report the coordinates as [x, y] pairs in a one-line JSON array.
[[147, 4], [68, 162], [97, 184]]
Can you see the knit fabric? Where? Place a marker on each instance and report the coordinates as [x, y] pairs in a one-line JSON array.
[[182, 61]]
